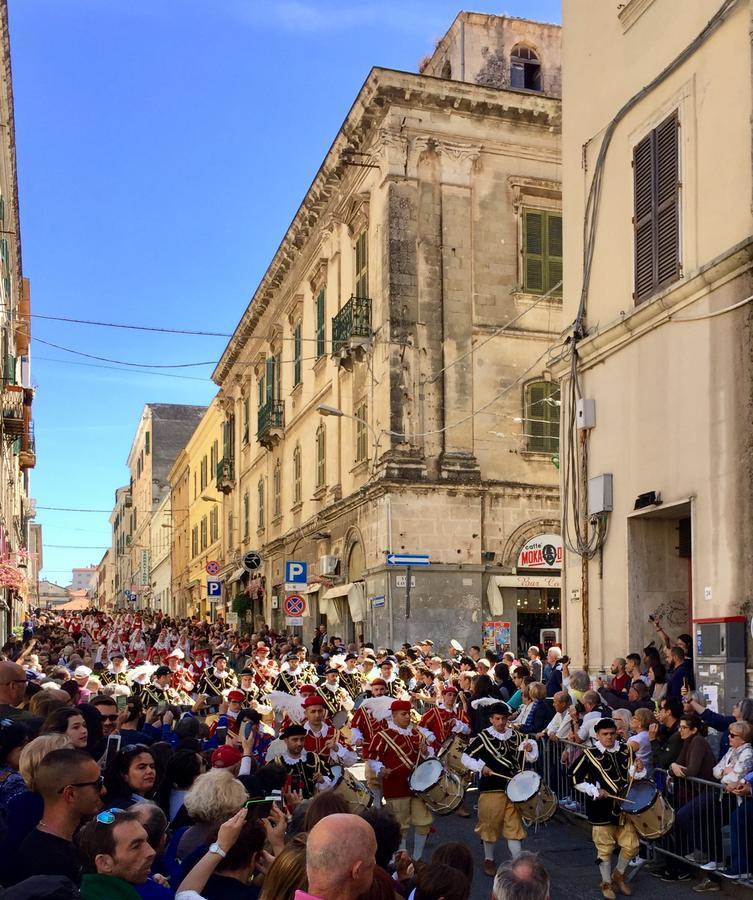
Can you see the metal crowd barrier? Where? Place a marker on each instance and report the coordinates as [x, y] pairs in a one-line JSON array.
[[710, 825]]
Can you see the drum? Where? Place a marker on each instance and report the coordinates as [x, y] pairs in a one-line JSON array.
[[649, 812], [451, 752], [340, 718], [533, 799], [440, 790], [354, 792]]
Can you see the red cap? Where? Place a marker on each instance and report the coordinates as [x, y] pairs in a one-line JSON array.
[[306, 689], [379, 682], [450, 689], [225, 757], [398, 705], [236, 696], [313, 700], [260, 645]]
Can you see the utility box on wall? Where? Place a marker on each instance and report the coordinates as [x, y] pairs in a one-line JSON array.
[[720, 661]]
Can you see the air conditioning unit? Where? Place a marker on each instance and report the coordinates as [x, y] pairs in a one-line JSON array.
[[329, 565]]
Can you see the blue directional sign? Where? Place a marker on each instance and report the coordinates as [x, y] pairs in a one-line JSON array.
[[378, 601], [296, 572], [214, 588], [408, 559]]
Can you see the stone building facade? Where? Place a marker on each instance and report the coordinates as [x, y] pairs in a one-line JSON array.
[[663, 338], [384, 391]]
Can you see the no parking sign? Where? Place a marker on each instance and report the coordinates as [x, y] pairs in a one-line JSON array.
[[294, 605]]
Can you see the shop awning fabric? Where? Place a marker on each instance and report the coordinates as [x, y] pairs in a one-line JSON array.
[[497, 582], [329, 604]]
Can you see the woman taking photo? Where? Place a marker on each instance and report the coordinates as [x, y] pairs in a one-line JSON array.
[[130, 776]]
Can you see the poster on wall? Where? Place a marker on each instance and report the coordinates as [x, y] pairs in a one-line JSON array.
[[495, 636]]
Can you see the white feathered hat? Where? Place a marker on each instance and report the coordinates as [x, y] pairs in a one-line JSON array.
[[291, 704], [379, 707]]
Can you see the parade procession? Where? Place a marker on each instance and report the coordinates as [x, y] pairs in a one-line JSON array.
[[376, 449]]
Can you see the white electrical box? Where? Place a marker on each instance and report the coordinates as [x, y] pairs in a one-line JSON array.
[[585, 413], [600, 495]]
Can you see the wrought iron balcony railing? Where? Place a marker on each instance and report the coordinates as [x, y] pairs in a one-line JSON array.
[[271, 422], [352, 321], [27, 456]]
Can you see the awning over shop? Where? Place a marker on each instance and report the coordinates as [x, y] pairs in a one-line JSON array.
[[329, 604], [311, 588], [497, 582], [236, 575]]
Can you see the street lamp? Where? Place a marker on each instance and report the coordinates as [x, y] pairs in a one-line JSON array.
[[324, 409]]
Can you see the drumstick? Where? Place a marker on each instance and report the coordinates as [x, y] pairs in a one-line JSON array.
[[621, 799]]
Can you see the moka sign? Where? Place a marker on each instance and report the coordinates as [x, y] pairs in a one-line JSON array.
[[541, 552]]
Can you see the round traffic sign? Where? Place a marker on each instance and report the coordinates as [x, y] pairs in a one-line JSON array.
[[251, 561], [213, 567], [294, 605]]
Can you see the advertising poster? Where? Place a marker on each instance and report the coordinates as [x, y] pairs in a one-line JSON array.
[[495, 636]]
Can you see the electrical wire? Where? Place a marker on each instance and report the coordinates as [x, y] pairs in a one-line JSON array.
[[121, 362], [74, 547], [495, 333], [73, 509], [158, 329], [711, 315], [72, 362]]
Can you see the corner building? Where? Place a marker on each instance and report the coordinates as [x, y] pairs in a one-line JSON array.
[[664, 349], [385, 389]]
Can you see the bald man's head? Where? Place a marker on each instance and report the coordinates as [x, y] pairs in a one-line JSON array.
[[12, 683], [340, 856]]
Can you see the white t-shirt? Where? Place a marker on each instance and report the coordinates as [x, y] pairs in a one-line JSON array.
[[643, 753]]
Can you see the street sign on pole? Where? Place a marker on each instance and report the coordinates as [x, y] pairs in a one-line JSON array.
[[214, 589], [294, 605], [296, 572], [294, 621], [408, 559], [251, 561], [213, 567]]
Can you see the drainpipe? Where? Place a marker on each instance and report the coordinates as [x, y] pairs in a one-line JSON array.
[[388, 501]]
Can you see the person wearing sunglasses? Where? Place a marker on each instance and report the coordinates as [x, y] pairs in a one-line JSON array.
[[12, 691], [116, 856], [71, 788], [108, 714]]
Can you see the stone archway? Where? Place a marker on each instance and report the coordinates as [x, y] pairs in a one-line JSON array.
[[524, 533]]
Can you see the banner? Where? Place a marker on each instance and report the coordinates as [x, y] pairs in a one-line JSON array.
[[495, 636]]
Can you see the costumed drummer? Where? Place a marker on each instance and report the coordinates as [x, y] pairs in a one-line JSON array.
[[323, 739], [393, 754], [307, 774], [497, 754], [217, 679], [335, 697], [602, 773]]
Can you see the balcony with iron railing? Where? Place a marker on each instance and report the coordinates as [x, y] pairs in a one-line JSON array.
[[271, 423], [12, 409], [225, 475], [351, 327]]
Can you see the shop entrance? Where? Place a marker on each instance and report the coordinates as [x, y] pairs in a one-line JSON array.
[[539, 618]]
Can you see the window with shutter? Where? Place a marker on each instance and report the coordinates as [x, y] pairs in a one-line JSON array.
[[362, 267], [656, 219], [297, 354], [542, 407], [542, 252], [320, 323]]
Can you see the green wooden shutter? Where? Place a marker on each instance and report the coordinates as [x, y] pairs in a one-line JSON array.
[[533, 252], [297, 354], [320, 323], [643, 218], [270, 379], [553, 252]]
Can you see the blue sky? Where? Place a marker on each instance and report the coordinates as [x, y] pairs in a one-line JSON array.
[[163, 147]]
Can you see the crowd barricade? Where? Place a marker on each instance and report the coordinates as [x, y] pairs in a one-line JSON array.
[[710, 825]]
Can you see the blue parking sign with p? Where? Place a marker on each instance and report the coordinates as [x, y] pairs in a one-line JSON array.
[[296, 572], [214, 588]]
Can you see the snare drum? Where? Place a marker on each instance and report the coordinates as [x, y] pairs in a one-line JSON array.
[[451, 752], [440, 789], [649, 812], [532, 798], [355, 793]]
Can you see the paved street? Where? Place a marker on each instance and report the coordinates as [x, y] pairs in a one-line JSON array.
[[568, 853]]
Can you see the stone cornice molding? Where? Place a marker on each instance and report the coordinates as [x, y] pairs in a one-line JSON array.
[[294, 310], [357, 216], [458, 160], [318, 275], [523, 187]]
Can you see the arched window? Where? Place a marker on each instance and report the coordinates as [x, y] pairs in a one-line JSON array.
[[447, 69], [525, 68], [277, 492], [321, 451], [542, 399], [297, 491]]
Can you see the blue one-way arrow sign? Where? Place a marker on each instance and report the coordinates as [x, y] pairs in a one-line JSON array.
[[408, 559]]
